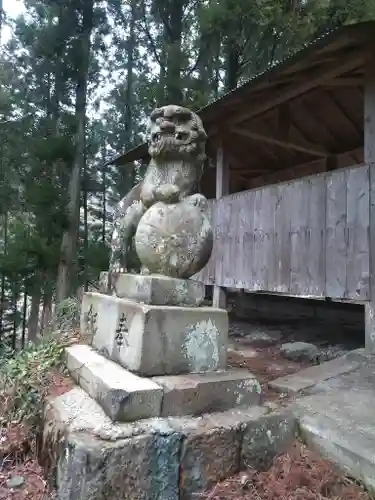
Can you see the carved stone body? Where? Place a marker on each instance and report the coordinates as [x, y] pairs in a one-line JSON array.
[[177, 149], [175, 239]]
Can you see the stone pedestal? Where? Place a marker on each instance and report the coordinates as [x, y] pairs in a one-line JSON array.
[[156, 340], [156, 290], [151, 360]]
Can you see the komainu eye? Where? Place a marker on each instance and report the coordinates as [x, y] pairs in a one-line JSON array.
[[180, 136]]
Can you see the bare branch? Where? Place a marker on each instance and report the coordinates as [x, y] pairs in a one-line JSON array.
[[149, 36], [195, 65], [7, 122]]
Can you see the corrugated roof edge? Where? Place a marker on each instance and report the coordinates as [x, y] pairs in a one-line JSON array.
[[293, 58]]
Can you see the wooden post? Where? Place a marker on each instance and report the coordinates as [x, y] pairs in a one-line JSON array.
[[222, 188], [331, 163], [369, 157]]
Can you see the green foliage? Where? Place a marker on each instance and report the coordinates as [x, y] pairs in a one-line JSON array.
[[25, 376], [67, 315], [24, 380]]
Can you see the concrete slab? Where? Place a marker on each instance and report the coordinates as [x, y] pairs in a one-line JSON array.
[[309, 377], [157, 290], [195, 394], [170, 458], [156, 340], [340, 425], [123, 395]]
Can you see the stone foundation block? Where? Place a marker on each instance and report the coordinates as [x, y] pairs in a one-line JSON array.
[[157, 290], [211, 451], [194, 394], [156, 340], [90, 457], [123, 395], [268, 437]]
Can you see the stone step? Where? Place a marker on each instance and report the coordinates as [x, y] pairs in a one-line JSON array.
[[309, 377], [127, 397], [123, 395], [340, 425], [194, 394], [165, 458]]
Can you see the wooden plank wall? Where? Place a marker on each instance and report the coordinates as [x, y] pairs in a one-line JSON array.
[[308, 237]]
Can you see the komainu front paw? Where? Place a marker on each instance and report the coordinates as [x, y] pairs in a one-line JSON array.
[[168, 193], [147, 196], [198, 200]]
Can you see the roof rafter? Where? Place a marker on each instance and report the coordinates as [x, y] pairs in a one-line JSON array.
[[317, 77], [311, 149]]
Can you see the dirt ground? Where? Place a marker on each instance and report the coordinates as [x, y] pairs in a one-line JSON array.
[[18, 455], [296, 475]]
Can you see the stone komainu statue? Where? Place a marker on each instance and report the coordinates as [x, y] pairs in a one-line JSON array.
[[168, 221]]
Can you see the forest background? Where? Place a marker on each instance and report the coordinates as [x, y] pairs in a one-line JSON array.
[[77, 81]]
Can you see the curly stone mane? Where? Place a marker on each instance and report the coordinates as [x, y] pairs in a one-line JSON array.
[[176, 131]]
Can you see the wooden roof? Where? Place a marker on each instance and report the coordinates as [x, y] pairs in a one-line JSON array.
[[303, 110]]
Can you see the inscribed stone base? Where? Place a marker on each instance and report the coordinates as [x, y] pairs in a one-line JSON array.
[[156, 340], [154, 289], [88, 456]]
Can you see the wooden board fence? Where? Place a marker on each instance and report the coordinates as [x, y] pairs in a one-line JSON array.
[[308, 237]]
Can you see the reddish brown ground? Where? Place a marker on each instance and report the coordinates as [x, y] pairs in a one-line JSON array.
[[266, 365], [298, 474], [18, 453]]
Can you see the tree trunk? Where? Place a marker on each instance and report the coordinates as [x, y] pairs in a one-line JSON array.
[[33, 321], [14, 313], [46, 312], [2, 292], [174, 55], [85, 229], [160, 91], [24, 316], [232, 66], [1, 18], [68, 254], [130, 75]]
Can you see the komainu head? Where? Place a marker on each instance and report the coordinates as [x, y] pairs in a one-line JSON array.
[[176, 133]]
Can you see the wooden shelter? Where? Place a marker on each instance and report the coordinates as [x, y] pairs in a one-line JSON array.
[[293, 177]]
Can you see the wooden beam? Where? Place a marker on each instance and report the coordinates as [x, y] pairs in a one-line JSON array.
[[311, 149], [308, 109], [258, 170], [345, 82], [222, 188], [369, 157], [233, 160], [345, 113], [222, 174], [312, 168], [331, 163], [316, 78]]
